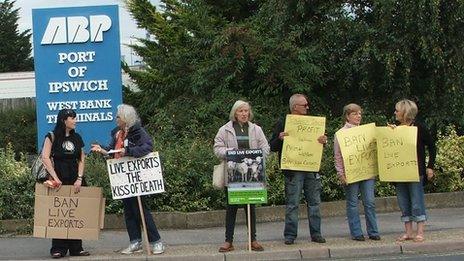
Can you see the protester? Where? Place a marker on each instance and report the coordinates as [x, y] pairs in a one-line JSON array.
[[296, 181], [239, 133], [130, 139], [352, 116], [64, 158], [410, 195]]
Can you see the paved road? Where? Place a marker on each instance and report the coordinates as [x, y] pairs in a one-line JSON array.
[[444, 225]]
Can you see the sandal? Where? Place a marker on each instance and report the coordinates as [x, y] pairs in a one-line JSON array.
[[419, 239], [404, 237], [57, 255]]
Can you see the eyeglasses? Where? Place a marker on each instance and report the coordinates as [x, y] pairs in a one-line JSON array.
[[356, 113], [304, 105]]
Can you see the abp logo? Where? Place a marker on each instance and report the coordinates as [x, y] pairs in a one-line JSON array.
[[76, 29]]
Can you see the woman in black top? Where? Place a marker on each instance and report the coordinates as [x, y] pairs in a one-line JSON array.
[[67, 168], [410, 195]]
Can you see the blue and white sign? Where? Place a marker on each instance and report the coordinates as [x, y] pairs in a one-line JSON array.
[[78, 66]]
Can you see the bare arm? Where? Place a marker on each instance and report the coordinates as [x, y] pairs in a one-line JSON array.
[[46, 159], [80, 173]]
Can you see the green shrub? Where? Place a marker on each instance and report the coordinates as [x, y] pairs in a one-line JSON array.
[[187, 166], [17, 186], [275, 181], [449, 166], [96, 175], [18, 128]]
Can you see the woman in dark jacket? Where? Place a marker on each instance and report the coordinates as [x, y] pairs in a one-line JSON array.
[[130, 139], [64, 147], [410, 195]]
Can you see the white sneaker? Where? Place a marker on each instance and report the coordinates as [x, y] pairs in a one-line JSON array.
[[157, 248], [132, 248]]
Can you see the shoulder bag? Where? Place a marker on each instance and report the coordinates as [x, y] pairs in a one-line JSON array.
[[38, 170]]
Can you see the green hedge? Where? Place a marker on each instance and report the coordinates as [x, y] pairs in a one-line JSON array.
[[16, 187], [188, 164], [18, 128]]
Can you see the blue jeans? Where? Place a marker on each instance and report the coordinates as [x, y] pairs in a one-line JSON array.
[[411, 201], [134, 222], [366, 187], [310, 183]]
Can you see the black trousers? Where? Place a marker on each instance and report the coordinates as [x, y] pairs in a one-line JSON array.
[[63, 245], [231, 214]]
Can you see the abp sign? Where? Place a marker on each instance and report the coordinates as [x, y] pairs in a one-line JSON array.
[[78, 66]]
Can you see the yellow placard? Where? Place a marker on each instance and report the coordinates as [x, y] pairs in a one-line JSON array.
[[397, 154], [359, 152], [301, 150]]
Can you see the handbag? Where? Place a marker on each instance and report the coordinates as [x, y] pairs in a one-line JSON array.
[[219, 175], [38, 169]]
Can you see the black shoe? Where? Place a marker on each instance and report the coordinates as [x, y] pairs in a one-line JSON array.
[[289, 241], [359, 238], [318, 239], [374, 238]]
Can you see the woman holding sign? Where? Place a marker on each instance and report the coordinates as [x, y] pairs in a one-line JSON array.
[[352, 115], [411, 194], [63, 158], [130, 139], [239, 133]]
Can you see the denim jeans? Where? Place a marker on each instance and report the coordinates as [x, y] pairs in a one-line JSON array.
[[310, 183], [134, 222], [366, 187], [411, 201]]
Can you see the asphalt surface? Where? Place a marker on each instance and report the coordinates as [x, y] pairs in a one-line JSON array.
[[444, 234]]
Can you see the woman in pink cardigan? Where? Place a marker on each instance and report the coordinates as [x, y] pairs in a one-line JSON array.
[[352, 115], [239, 133]]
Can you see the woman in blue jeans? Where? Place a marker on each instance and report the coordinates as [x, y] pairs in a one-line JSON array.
[[410, 195], [352, 115]]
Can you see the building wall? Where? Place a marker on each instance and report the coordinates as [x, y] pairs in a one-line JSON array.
[[17, 89]]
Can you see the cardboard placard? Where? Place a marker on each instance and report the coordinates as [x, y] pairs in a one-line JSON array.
[[66, 215], [130, 177], [397, 154], [301, 150], [359, 151]]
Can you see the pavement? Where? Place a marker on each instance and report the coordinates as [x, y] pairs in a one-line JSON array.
[[444, 233]]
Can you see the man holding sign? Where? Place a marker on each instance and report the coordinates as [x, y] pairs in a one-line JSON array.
[[130, 139], [298, 180]]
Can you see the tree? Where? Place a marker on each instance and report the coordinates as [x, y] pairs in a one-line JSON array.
[[15, 48], [203, 55]]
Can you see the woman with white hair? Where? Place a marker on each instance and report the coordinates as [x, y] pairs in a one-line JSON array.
[[132, 140], [239, 133], [410, 195]]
